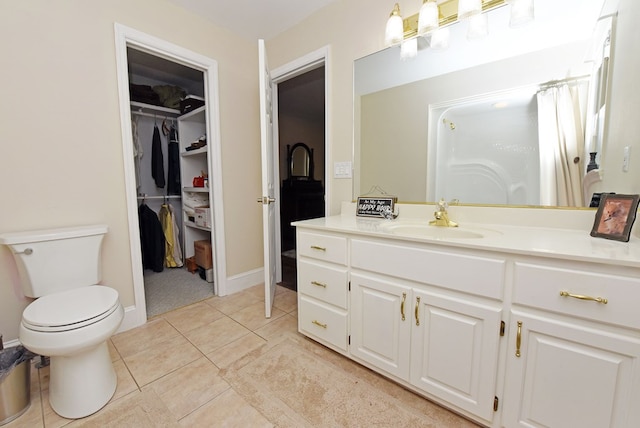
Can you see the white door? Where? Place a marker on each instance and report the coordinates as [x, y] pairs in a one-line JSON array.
[[268, 189]]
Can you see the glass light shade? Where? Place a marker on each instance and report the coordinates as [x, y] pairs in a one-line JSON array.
[[467, 8], [521, 12], [428, 19], [394, 32], [409, 48], [440, 38], [478, 26]]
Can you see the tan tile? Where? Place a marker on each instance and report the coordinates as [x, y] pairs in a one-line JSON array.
[[257, 291], [189, 387], [228, 354], [126, 383], [283, 325], [227, 410], [138, 409], [286, 301], [146, 336], [234, 302], [219, 333], [161, 359], [252, 316], [193, 316]]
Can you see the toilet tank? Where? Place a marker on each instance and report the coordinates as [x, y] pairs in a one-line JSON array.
[[55, 260]]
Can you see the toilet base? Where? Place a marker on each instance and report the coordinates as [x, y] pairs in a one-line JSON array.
[[81, 384]]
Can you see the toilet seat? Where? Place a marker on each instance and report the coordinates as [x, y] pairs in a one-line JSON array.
[[71, 309]]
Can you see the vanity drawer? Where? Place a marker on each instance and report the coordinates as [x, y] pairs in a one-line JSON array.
[[323, 282], [539, 286], [482, 276], [320, 246], [323, 322]]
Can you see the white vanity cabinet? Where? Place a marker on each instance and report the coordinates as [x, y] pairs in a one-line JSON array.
[[322, 288], [441, 341], [573, 360]]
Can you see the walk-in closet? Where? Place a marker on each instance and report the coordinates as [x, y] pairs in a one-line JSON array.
[[172, 164]]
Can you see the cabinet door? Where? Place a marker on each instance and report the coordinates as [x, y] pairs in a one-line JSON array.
[[454, 350], [381, 323], [569, 376]]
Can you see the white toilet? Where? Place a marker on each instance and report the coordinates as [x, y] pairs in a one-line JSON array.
[[72, 317]]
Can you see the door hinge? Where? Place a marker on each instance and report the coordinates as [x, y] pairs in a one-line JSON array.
[[349, 285], [349, 339], [495, 404], [502, 328]]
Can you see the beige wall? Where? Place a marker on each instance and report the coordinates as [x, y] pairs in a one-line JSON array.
[[62, 160]]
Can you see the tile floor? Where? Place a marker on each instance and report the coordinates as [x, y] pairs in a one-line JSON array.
[[170, 367]]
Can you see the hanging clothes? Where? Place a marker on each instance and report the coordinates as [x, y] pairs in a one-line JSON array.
[[157, 160], [167, 221], [152, 240], [173, 178], [177, 250]]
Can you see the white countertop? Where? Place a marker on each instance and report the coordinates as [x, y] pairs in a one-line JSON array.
[[561, 243]]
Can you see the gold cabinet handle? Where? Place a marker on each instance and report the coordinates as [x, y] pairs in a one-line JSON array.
[[581, 297], [319, 284], [416, 311], [518, 339], [319, 324], [315, 247], [404, 297]]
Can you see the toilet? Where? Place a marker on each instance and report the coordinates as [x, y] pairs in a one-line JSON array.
[[72, 317]]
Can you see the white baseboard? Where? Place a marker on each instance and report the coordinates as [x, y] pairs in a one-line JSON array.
[[245, 280]]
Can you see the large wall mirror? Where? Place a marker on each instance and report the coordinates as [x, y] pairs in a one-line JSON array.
[[471, 122]]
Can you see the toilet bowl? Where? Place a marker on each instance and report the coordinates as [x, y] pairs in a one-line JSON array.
[[72, 317]]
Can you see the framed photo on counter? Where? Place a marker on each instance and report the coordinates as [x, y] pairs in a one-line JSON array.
[[615, 216]]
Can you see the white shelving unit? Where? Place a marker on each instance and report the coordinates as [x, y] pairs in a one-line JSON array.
[[191, 126]]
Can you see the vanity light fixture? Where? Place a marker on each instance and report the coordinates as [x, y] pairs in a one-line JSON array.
[[394, 31], [468, 8], [435, 16]]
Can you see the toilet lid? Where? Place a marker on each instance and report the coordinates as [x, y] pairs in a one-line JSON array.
[[70, 309]]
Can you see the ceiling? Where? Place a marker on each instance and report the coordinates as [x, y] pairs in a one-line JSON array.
[[254, 19]]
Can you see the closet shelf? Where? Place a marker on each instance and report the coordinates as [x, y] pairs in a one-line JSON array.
[[138, 107], [196, 189], [195, 226], [200, 151]]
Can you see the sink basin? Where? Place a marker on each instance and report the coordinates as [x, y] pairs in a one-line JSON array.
[[424, 230]]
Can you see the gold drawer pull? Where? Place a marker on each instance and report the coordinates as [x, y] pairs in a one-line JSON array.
[[319, 324], [416, 312], [404, 297], [315, 247], [319, 284], [518, 339], [581, 297]]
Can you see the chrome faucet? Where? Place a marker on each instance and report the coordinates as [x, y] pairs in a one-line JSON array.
[[442, 217]]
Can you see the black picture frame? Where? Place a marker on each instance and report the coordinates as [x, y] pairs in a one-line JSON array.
[[615, 216]]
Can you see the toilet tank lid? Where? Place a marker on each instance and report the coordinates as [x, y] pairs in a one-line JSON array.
[[51, 234]]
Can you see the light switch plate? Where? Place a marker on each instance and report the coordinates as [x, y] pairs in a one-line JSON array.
[[342, 170]]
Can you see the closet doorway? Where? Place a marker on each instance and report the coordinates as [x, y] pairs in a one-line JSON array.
[[302, 152], [169, 113]]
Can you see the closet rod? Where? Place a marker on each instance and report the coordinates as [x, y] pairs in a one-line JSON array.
[[160, 197]]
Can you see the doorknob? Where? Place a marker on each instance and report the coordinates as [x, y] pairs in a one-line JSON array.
[[266, 200]]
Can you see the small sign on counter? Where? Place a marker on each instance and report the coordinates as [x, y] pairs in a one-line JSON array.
[[375, 206]]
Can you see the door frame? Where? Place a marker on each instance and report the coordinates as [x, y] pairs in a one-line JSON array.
[[308, 62], [129, 37]]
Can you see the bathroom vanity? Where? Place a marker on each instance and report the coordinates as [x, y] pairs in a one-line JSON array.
[[509, 325]]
